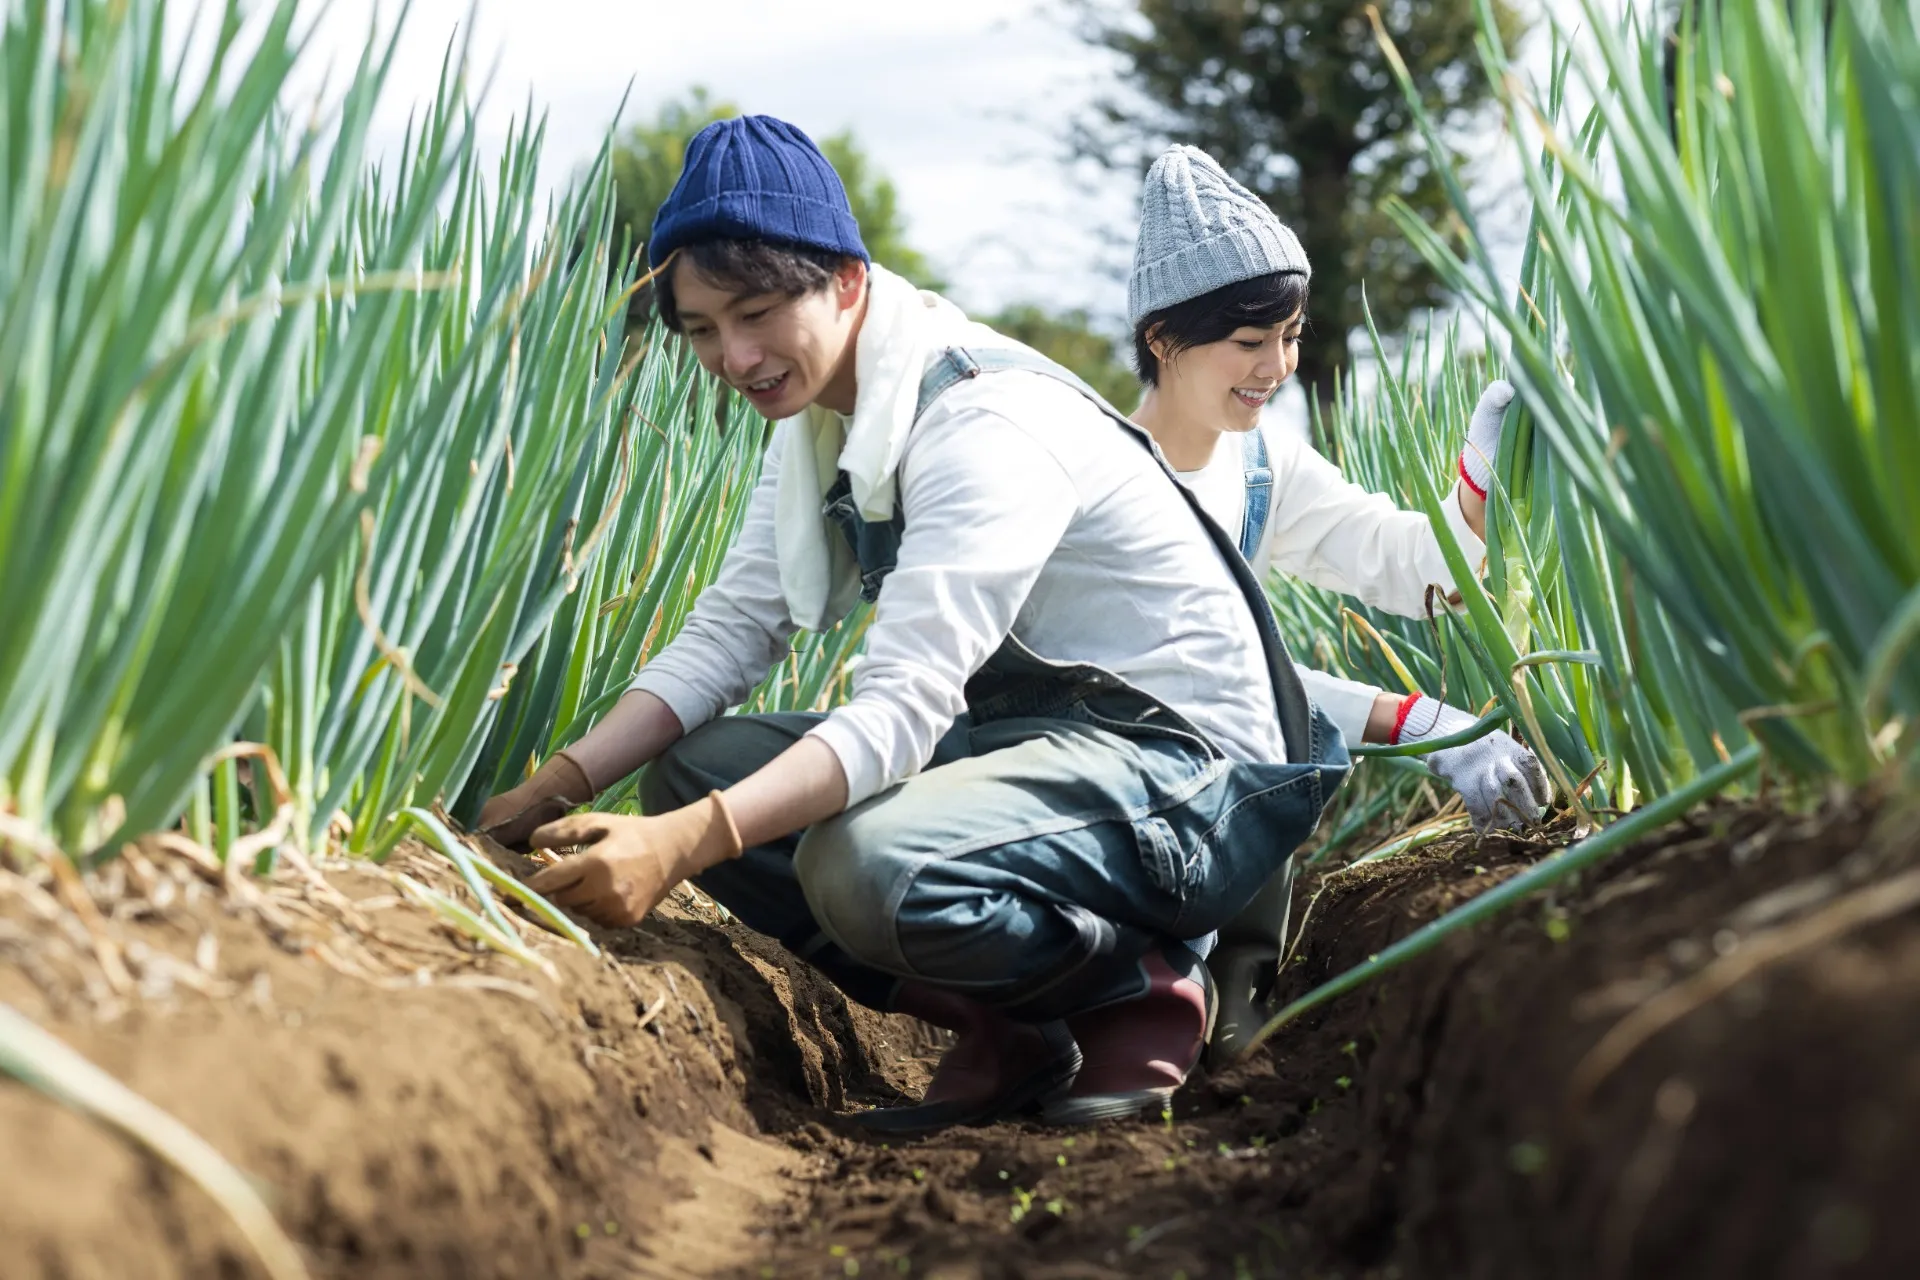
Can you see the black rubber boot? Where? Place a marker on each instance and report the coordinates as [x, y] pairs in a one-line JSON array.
[[1246, 966]]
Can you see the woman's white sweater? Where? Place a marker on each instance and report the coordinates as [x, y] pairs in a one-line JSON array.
[[1324, 529]]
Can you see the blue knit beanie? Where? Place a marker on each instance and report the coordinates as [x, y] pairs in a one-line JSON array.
[[756, 178]]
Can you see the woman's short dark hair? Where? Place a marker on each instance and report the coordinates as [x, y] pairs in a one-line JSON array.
[[749, 267], [1259, 303]]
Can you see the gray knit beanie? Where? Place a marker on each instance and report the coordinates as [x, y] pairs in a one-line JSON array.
[[1199, 230]]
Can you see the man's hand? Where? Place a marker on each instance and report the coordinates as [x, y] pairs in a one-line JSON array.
[[629, 865], [556, 789], [1501, 783]]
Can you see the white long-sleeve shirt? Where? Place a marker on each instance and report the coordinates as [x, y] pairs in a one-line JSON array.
[[1028, 512], [1327, 530]]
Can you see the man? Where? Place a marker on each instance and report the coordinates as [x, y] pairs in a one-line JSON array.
[[1075, 738]]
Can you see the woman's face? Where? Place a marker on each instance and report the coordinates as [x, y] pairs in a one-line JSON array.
[[1231, 380]]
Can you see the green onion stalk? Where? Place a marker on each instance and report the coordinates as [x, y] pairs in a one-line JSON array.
[[1727, 372], [664, 544], [180, 416]]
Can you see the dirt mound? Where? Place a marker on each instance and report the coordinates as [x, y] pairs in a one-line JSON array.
[[415, 1107], [1738, 1001], [1423, 1126]]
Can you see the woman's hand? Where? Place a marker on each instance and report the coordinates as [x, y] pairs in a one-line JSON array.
[[1502, 784], [1478, 454]]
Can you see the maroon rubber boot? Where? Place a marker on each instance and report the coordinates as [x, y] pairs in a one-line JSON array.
[[1138, 1052], [996, 1067]]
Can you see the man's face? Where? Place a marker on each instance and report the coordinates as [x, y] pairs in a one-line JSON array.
[[782, 353]]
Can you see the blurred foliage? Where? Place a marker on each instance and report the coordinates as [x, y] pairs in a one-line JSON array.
[[1069, 338]]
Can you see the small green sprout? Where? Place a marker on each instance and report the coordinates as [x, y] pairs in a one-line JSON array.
[[1527, 1158]]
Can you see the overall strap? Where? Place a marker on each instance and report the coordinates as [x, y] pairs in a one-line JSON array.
[[1253, 460], [957, 364]]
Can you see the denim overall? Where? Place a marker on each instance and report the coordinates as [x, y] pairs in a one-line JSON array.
[[1262, 923], [1067, 824], [1259, 478]]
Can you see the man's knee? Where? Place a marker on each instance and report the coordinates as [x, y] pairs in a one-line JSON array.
[[850, 889]]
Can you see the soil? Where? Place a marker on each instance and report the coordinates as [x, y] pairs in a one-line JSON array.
[[1702, 1060]]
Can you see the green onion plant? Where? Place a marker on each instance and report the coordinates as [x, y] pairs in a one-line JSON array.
[[1721, 353], [179, 425]]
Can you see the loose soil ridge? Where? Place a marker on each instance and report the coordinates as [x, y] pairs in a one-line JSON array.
[[460, 1116], [674, 1113]]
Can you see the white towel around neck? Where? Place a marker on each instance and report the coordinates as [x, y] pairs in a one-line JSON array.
[[904, 329]]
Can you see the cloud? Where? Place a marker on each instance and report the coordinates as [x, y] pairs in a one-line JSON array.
[[958, 104]]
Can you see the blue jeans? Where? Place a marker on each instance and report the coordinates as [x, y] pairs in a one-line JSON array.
[[1031, 865]]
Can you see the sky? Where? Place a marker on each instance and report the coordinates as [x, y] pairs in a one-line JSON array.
[[961, 105]]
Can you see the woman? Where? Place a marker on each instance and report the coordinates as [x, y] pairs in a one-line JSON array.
[[1217, 302]]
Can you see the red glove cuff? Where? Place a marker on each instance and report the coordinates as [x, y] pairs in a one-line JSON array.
[[1400, 718], [1467, 477]]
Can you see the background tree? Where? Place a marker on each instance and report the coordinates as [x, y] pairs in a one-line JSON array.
[[1294, 98], [1069, 338], [647, 158]]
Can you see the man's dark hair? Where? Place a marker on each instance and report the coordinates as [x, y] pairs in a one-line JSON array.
[[749, 267], [1261, 303]]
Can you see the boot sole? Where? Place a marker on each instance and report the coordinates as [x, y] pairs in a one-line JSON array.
[[1094, 1108]]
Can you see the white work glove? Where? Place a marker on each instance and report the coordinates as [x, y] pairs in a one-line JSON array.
[[1501, 782], [1483, 436]]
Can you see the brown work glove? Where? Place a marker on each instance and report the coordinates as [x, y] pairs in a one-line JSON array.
[[631, 864], [556, 789]]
